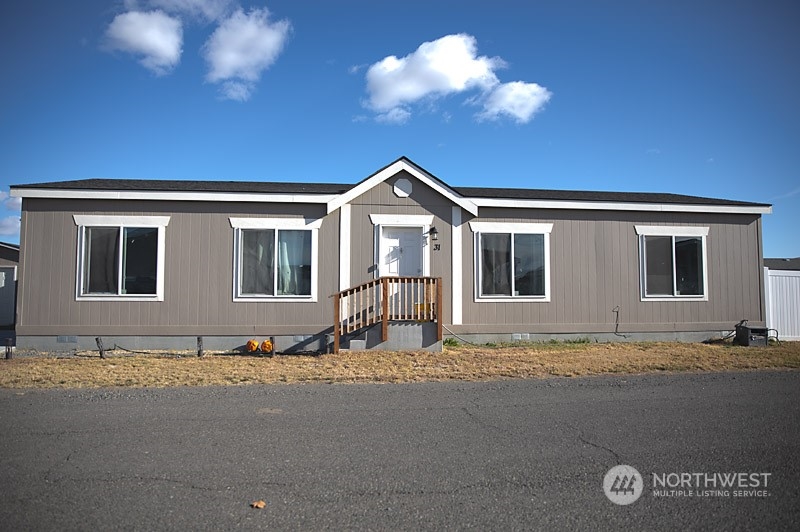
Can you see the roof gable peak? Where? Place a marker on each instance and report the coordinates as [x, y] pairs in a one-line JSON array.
[[392, 169]]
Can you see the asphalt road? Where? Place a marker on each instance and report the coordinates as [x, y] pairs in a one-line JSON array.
[[492, 455]]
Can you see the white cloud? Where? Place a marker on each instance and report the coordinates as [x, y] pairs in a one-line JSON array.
[[153, 35], [791, 193], [9, 226], [437, 68], [449, 65], [398, 115], [13, 204], [237, 90], [241, 48], [205, 9], [517, 99]]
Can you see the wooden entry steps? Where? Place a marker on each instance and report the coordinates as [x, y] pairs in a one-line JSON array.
[[384, 300]]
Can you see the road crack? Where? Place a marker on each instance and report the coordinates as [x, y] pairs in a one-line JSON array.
[[583, 439]]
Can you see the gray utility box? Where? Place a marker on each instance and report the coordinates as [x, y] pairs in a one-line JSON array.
[[746, 335]]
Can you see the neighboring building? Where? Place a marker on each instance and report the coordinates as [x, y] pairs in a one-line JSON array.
[[782, 288], [9, 259], [157, 263]]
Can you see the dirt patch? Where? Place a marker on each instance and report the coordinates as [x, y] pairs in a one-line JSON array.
[[455, 363]]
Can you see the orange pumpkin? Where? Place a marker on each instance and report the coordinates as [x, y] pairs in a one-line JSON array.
[[251, 346], [266, 346]]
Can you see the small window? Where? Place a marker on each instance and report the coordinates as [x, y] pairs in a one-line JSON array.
[[512, 260], [120, 261], [673, 265]]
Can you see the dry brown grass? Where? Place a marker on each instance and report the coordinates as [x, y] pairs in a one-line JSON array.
[[455, 363]]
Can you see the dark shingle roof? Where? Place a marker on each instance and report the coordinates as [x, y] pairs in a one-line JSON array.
[[783, 264], [257, 187], [158, 185], [584, 195]]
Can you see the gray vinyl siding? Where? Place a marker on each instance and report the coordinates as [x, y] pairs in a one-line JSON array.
[[594, 267], [198, 284]]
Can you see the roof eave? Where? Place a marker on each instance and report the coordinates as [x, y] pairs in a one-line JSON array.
[[620, 206], [252, 197]]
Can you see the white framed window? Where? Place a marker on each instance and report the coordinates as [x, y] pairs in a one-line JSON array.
[[512, 261], [120, 258], [673, 263], [275, 259]]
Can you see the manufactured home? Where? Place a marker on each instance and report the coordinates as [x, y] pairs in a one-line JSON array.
[[400, 259], [9, 260]]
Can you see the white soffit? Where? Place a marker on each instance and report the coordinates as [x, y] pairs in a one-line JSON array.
[[392, 170]]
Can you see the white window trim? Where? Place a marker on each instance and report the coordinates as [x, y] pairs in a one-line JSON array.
[[238, 224], [402, 220], [421, 221], [275, 223], [511, 228], [671, 231], [102, 220]]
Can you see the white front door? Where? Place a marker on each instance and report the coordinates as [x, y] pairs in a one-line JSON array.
[[401, 251]]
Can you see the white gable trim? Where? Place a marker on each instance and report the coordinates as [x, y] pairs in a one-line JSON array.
[[392, 170]]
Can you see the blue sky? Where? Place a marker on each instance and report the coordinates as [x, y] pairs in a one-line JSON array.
[[692, 97]]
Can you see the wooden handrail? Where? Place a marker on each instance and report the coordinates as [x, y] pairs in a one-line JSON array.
[[386, 299]]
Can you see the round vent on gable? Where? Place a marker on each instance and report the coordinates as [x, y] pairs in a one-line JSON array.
[[402, 188]]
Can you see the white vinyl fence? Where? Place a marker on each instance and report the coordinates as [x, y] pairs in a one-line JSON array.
[[782, 292]]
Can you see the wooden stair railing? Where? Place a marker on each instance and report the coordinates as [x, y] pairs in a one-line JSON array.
[[387, 299]]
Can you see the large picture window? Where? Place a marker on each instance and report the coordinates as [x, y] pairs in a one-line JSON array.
[[673, 263], [512, 260], [275, 259], [275, 262], [121, 257]]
